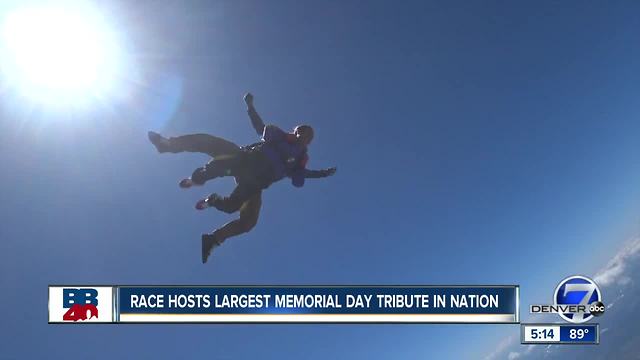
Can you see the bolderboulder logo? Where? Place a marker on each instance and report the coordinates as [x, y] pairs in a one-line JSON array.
[[576, 299], [80, 304]]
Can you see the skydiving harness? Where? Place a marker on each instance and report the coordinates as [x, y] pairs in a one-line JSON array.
[[252, 147], [257, 147]]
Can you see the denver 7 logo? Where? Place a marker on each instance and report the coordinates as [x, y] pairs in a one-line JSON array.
[[578, 290], [82, 304]]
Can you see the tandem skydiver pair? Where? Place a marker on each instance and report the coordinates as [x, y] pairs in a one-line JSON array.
[[255, 167]]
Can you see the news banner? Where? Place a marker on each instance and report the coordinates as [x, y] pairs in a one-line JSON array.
[[414, 304], [283, 304]]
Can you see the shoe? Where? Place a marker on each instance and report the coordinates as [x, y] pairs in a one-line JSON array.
[[202, 204], [207, 202], [209, 242], [186, 183], [160, 142]]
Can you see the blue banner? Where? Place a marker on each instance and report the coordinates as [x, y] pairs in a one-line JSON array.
[[488, 304]]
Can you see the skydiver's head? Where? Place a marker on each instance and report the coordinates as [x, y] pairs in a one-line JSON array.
[[304, 134]]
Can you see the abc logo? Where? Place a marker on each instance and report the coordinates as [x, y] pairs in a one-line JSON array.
[[582, 291], [597, 308]]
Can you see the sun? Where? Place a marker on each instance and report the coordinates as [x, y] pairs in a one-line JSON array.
[[58, 54]]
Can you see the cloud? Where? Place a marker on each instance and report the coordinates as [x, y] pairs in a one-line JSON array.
[[502, 346], [516, 355], [615, 271], [618, 337]]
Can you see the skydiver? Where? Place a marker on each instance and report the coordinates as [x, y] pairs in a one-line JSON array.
[[254, 167]]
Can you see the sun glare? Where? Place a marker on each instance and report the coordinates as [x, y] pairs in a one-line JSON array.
[[58, 54]]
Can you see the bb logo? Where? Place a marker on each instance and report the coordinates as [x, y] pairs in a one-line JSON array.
[[82, 304], [581, 291]]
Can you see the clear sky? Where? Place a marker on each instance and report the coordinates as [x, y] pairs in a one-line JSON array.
[[489, 142]]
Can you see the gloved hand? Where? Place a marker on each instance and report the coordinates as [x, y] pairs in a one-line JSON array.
[[248, 99], [330, 171]]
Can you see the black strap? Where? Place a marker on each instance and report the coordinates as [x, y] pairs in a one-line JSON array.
[[253, 146]]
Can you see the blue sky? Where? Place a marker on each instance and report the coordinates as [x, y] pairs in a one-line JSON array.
[[476, 143]]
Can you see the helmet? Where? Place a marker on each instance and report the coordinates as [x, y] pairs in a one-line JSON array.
[[304, 133]]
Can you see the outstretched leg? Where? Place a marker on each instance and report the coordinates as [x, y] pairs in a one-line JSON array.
[[249, 214], [224, 152], [200, 143], [214, 168], [233, 202]]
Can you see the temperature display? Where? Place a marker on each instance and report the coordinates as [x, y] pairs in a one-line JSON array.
[[579, 334], [559, 334]]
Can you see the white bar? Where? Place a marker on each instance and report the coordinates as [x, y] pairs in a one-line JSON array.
[[529, 331], [321, 318]]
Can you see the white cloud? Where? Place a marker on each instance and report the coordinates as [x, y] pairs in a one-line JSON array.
[[502, 346], [615, 271], [616, 278], [514, 355]]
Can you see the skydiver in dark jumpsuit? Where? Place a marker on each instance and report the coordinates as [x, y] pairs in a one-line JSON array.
[[254, 167]]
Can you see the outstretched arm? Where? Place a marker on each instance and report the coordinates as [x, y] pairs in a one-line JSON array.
[[317, 174], [256, 121], [301, 172], [298, 175]]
